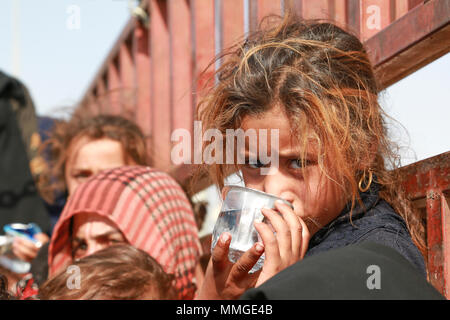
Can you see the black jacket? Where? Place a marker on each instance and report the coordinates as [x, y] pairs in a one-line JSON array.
[[364, 271], [19, 199], [378, 223]]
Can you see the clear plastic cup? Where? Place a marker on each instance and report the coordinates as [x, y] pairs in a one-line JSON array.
[[240, 209]]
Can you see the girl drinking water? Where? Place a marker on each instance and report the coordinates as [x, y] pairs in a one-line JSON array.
[[313, 83]]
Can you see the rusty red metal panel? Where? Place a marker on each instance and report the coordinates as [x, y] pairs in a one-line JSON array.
[[143, 78], [203, 44], [417, 38], [161, 83], [340, 13], [431, 173], [353, 20], [319, 9], [375, 15], [430, 179], [181, 52], [401, 8], [445, 211], [436, 259], [114, 88], [232, 22], [127, 78], [268, 7]]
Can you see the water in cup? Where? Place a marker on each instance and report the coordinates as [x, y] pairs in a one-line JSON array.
[[241, 208], [239, 223]]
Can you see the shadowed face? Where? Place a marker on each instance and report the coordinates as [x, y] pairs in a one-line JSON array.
[[91, 233], [317, 199]]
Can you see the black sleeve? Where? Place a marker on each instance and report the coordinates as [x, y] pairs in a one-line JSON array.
[[398, 241]]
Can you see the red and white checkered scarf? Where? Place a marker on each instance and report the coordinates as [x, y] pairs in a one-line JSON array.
[[149, 208]]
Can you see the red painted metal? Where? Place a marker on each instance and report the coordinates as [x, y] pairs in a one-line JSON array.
[[204, 48], [127, 77], [268, 7], [143, 78], [232, 22], [375, 15], [319, 9], [181, 72], [429, 180], [417, 38], [161, 84], [114, 88]]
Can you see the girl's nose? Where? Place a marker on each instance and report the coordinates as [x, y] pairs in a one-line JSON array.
[[273, 182]]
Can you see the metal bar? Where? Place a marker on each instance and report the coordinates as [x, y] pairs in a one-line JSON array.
[[127, 77], [143, 84], [114, 87], [180, 29], [268, 7], [203, 16], [375, 15], [232, 22], [417, 38], [161, 84], [435, 263], [319, 9]]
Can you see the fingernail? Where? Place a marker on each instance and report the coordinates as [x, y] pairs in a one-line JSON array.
[[38, 244], [259, 248], [224, 238]]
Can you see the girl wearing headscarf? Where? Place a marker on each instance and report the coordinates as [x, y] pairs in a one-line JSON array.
[[133, 204]]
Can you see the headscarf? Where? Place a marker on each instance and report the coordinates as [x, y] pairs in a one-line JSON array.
[[149, 208]]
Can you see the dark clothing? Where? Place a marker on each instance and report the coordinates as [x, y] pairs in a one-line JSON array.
[[45, 126], [19, 199], [378, 223], [363, 271]]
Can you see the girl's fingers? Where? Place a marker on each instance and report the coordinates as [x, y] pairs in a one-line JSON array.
[[219, 255], [240, 271], [295, 226], [24, 249], [271, 249], [283, 233], [306, 236]]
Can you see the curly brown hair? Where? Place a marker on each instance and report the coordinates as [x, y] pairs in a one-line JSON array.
[[322, 78], [119, 272], [66, 133]]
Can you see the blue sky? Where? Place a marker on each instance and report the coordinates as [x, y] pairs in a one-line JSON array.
[[57, 64]]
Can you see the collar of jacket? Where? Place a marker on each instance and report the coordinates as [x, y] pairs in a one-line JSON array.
[[369, 199]]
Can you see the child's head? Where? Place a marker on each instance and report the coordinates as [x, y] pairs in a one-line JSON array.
[[119, 272], [315, 84], [84, 146]]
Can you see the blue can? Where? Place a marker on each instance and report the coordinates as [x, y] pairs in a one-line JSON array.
[[27, 231]]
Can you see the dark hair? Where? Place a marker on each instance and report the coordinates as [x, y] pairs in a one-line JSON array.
[[119, 272], [4, 292], [322, 79]]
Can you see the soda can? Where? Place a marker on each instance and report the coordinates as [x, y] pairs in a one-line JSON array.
[[27, 231]]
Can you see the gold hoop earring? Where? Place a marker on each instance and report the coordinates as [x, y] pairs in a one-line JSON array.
[[363, 178]]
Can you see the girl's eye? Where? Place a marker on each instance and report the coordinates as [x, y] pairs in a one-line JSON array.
[[82, 175], [299, 163], [79, 249], [255, 164]]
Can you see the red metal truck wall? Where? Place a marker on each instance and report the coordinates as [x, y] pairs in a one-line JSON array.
[[155, 73]]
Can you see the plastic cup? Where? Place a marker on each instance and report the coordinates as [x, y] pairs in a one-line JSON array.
[[240, 209]]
